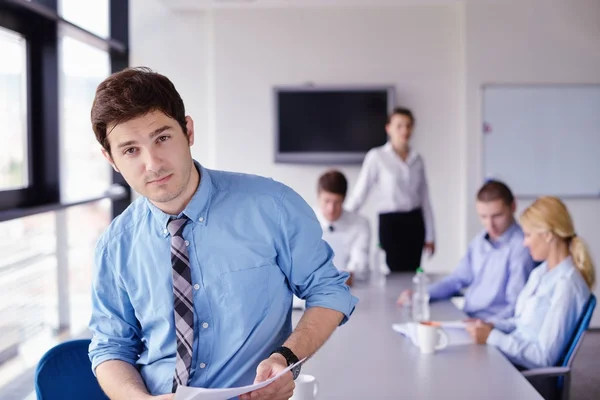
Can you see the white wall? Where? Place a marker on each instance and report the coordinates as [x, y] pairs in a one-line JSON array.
[[533, 41], [177, 44]]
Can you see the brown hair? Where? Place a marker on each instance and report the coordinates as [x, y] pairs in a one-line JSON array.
[[549, 214], [495, 190], [402, 111], [333, 181], [132, 93]]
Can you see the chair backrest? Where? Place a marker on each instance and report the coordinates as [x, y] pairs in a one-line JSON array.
[[65, 372], [581, 327]]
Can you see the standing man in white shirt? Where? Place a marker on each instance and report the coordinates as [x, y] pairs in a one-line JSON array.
[[347, 233], [396, 174]]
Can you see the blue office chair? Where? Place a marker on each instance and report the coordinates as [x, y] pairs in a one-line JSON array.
[[561, 385], [65, 372]]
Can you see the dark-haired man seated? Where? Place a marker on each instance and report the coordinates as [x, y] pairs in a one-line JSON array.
[[497, 264]]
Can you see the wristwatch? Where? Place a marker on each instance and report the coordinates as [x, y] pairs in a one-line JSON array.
[[291, 359]]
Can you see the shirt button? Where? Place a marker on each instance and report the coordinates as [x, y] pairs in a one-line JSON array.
[[196, 286], [165, 231], [202, 365], [187, 243], [205, 325], [201, 219]]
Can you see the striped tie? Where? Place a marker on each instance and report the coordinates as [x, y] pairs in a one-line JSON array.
[[183, 301]]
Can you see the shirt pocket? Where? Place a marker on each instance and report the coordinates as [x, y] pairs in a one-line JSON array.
[[534, 313], [245, 298]]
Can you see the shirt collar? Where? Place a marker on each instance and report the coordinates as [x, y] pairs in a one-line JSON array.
[[550, 277], [412, 154], [325, 223], [197, 208], [505, 237]]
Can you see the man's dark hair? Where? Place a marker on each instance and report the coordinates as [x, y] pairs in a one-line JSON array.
[[132, 93], [495, 190], [333, 181], [402, 111]]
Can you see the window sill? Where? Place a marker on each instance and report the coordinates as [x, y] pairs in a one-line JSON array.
[[116, 192]]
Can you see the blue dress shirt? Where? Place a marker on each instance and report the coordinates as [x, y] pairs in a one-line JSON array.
[[494, 272], [253, 243], [545, 318]]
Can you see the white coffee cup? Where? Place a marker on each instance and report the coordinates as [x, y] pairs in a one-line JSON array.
[[431, 338], [306, 388]]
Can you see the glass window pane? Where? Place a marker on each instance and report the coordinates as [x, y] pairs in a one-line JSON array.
[[91, 15], [84, 171], [82, 240], [28, 305], [29, 286], [13, 111]]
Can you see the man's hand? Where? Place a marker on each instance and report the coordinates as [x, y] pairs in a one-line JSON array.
[[170, 396], [405, 297], [479, 331], [429, 247], [280, 389]]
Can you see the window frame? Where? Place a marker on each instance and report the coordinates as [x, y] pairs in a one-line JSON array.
[[39, 22]]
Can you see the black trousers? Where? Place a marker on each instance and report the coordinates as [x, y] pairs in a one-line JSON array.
[[402, 236]]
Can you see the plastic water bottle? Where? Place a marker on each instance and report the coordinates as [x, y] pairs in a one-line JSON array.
[[380, 268], [420, 297]]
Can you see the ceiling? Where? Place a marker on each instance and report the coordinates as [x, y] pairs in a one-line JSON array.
[[189, 5]]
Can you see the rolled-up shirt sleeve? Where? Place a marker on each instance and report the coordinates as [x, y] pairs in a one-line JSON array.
[[113, 324], [307, 260]]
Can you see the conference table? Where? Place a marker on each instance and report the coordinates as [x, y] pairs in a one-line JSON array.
[[366, 359]]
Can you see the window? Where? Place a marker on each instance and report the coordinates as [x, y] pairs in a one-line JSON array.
[[27, 277], [14, 171], [91, 15], [53, 178], [81, 241], [30, 276], [85, 172]]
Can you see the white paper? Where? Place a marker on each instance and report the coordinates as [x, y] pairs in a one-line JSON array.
[[453, 324], [192, 393], [456, 333]]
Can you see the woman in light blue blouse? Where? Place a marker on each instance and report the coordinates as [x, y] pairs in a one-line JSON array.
[[555, 295]]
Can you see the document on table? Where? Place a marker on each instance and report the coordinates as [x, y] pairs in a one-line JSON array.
[[193, 393], [457, 335]]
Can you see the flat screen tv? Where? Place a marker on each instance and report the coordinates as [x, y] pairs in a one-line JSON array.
[[330, 125]]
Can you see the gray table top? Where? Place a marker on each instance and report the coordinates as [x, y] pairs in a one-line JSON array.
[[366, 359]]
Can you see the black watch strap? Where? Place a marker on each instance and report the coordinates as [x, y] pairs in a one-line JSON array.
[[291, 359]]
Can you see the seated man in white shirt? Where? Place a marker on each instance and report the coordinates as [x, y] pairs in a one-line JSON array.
[[347, 233]]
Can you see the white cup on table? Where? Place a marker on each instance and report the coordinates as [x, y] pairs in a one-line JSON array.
[[431, 338], [306, 388]]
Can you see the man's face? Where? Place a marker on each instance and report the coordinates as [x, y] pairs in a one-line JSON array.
[[331, 205], [495, 216], [153, 155]]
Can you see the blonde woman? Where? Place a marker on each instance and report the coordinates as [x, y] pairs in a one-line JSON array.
[[555, 295]]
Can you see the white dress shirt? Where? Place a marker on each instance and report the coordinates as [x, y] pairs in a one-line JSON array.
[[349, 237], [401, 186], [545, 318]]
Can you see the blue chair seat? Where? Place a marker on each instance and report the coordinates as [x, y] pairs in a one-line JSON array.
[[65, 372]]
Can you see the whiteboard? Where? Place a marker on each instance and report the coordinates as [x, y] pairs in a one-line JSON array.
[[543, 139]]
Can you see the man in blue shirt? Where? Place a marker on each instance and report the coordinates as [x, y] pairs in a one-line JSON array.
[[497, 264], [194, 281]]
